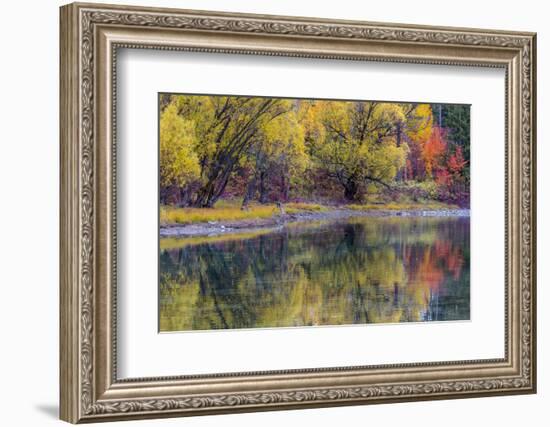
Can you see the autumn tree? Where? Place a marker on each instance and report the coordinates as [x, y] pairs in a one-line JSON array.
[[278, 151], [450, 177], [179, 164], [270, 149], [456, 119], [355, 142], [417, 132], [228, 126], [434, 150]]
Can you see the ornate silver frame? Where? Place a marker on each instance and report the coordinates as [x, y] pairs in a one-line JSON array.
[[90, 36]]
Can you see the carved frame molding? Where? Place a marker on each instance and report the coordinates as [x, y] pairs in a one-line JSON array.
[[90, 37]]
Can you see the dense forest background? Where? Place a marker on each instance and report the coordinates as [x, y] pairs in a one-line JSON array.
[[267, 150]]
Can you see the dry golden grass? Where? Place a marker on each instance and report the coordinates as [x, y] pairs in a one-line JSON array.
[[298, 207], [171, 215], [402, 206], [230, 210]]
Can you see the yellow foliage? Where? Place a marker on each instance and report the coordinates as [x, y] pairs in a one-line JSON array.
[[179, 164], [420, 123], [282, 140], [358, 142]]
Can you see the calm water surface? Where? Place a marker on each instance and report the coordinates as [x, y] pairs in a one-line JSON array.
[[361, 270]]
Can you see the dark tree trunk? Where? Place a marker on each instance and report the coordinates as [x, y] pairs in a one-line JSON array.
[[204, 196], [170, 195], [285, 187], [350, 190], [263, 187], [398, 133], [250, 192], [162, 195], [209, 194], [399, 138], [185, 197]]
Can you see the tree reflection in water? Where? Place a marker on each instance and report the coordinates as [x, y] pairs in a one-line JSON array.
[[363, 270]]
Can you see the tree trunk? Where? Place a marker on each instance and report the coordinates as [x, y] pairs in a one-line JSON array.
[[204, 195], [162, 195], [185, 196], [398, 133], [263, 187], [209, 194], [250, 192], [285, 187], [350, 190]]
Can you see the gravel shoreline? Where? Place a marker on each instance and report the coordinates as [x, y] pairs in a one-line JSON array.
[[214, 228]]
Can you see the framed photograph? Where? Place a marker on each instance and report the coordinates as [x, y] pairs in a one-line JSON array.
[[265, 212]]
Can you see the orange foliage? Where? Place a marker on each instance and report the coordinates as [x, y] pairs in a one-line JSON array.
[[429, 273], [430, 265], [456, 162], [433, 150]]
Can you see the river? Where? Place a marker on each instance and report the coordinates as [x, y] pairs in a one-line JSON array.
[[354, 271]]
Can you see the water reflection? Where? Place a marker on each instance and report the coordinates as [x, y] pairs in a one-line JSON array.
[[363, 270]]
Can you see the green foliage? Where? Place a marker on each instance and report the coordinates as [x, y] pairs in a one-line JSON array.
[[456, 119]]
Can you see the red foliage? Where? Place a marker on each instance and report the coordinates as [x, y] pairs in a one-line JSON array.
[[415, 167], [434, 149], [456, 162], [443, 177]]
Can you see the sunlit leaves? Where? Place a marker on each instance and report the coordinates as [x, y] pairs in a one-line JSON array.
[[419, 123], [358, 142], [273, 149], [279, 147], [178, 161], [434, 149]]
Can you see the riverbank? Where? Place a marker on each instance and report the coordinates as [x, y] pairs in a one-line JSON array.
[[213, 228]]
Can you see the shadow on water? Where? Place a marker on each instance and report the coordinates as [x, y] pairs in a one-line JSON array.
[[362, 270]]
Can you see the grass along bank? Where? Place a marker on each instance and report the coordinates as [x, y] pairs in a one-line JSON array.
[[230, 211], [402, 206]]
